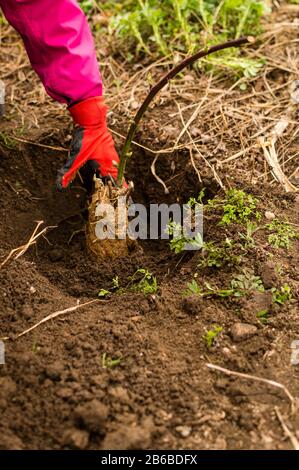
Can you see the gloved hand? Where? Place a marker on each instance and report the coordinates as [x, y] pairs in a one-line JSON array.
[[92, 142]]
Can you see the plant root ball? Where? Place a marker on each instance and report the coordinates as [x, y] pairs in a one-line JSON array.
[[107, 214]]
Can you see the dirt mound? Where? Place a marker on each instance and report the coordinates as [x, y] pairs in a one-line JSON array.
[[130, 371]]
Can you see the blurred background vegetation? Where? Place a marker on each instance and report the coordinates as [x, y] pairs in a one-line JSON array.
[[174, 27]]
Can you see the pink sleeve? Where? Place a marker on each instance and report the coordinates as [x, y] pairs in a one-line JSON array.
[[59, 44]]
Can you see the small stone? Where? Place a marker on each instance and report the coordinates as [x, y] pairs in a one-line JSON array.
[[64, 392], [32, 290], [76, 439], [269, 215], [226, 352], [184, 431], [258, 301], [242, 331], [268, 275], [92, 416]]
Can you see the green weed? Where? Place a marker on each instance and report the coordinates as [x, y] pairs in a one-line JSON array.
[[192, 202], [241, 285], [217, 255], [194, 288], [141, 281], [179, 241], [7, 141], [247, 281], [87, 5], [108, 362], [185, 25], [247, 237], [211, 335], [282, 234], [236, 207], [104, 293], [263, 315], [282, 295]]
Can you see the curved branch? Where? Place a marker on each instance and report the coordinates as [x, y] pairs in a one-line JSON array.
[[155, 90]]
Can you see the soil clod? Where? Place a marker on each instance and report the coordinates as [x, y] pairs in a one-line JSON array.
[[242, 331]]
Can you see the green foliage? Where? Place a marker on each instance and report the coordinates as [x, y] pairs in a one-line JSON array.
[[104, 293], [108, 362], [187, 25], [262, 315], [217, 255], [247, 281], [87, 5], [179, 241], [247, 237], [143, 281], [211, 335], [194, 289], [194, 201], [241, 285], [115, 283], [237, 207], [242, 66], [7, 141], [282, 295], [282, 234]]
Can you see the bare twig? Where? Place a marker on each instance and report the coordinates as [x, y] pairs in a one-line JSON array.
[[257, 379], [194, 114], [287, 432], [54, 315], [271, 157], [17, 252], [156, 152], [194, 166], [153, 170], [270, 153], [155, 90], [36, 144], [215, 174]]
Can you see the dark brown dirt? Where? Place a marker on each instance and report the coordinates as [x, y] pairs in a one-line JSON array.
[[55, 392]]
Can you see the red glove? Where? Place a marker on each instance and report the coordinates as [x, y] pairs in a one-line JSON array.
[[92, 142]]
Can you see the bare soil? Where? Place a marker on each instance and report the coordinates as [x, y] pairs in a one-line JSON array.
[[54, 391]]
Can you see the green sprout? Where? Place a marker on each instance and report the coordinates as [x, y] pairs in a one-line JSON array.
[[211, 335], [143, 281], [108, 362], [282, 295], [282, 234]]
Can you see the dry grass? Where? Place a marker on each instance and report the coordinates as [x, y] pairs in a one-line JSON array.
[[217, 123]]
